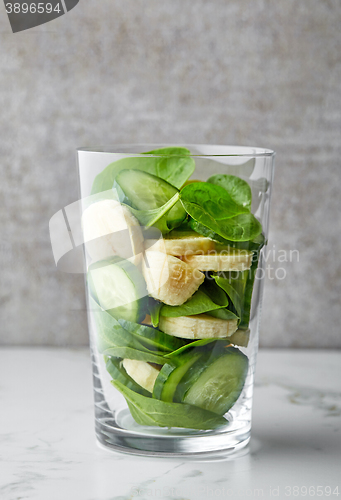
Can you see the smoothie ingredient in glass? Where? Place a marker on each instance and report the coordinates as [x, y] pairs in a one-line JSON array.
[[171, 299]]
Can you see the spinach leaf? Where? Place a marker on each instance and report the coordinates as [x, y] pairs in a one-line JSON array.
[[199, 303], [114, 340], [214, 200], [151, 336], [225, 314], [237, 188], [215, 292], [152, 217], [132, 353], [173, 165], [117, 372], [147, 411], [234, 289], [239, 286], [234, 293], [242, 227], [246, 307], [217, 214], [109, 332], [195, 343], [154, 308], [205, 231], [151, 197], [251, 245], [177, 167]]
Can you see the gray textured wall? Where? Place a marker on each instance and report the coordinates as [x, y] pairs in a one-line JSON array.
[[259, 73]]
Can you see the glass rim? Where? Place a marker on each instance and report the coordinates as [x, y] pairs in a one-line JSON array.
[[250, 153]]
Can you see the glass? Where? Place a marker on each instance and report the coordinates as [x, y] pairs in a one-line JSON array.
[[199, 399]]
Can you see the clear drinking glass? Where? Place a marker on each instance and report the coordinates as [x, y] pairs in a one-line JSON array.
[[147, 399]]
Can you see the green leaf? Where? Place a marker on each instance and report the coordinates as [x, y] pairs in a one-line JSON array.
[[147, 411], [234, 290], [114, 340], [155, 338], [118, 373], [237, 188], [239, 285], [195, 343], [217, 213], [154, 308], [214, 200], [243, 227], [149, 218], [225, 314], [214, 292], [205, 231], [154, 200], [222, 243], [175, 168], [199, 303], [109, 332], [252, 245], [173, 165], [246, 307], [132, 353]]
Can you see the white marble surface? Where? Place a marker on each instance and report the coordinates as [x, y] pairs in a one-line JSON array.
[[48, 449]]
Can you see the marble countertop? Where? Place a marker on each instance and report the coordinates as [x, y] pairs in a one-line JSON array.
[[48, 449]]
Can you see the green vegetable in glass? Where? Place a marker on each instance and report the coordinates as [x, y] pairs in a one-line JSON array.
[[153, 200], [148, 411], [173, 165]]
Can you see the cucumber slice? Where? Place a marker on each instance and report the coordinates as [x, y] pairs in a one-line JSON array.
[[170, 376], [174, 164], [145, 191], [118, 373], [215, 383], [119, 288]]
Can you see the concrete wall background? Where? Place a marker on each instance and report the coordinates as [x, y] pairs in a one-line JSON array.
[[251, 73]]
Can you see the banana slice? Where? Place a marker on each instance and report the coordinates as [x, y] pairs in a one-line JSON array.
[[147, 320], [110, 229], [170, 279], [200, 326], [142, 372], [236, 260], [240, 337], [182, 243]]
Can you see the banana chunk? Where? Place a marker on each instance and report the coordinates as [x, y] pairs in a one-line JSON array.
[[142, 372], [110, 229], [170, 279], [179, 243], [240, 337], [236, 260], [200, 326]]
